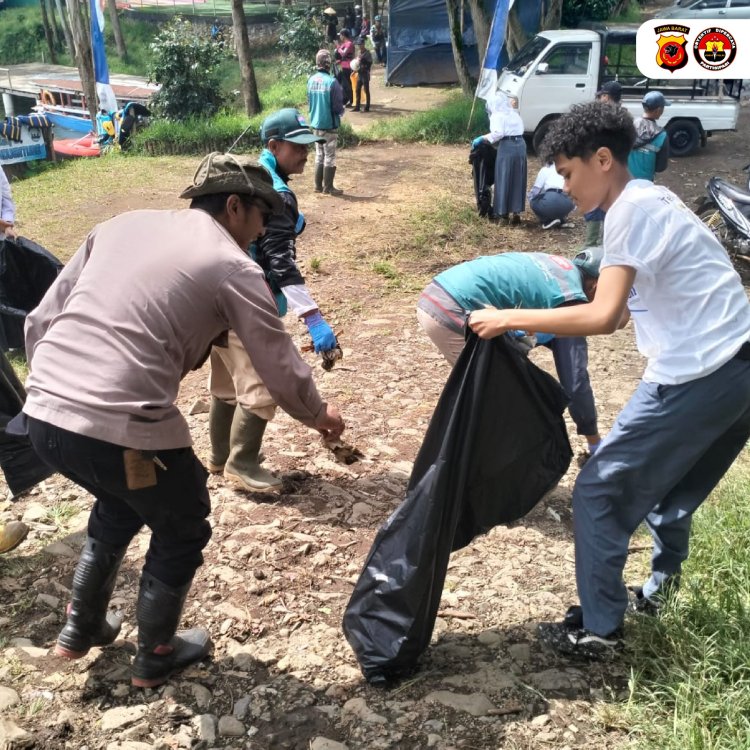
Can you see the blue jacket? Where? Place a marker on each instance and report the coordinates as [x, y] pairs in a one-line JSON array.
[[325, 100]]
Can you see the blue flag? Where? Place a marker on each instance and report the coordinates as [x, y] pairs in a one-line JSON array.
[[106, 95], [488, 76]]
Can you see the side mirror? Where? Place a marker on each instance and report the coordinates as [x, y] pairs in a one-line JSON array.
[[543, 67]]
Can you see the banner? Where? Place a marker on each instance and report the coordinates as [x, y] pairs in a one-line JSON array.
[[692, 48], [104, 91], [488, 75]]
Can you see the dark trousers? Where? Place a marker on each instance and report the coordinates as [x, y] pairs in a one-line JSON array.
[[175, 508], [363, 82], [346, 84]]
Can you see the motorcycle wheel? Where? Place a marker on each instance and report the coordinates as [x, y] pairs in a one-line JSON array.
[[712, 218]]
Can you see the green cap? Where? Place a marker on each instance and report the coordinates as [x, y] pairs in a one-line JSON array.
[[288, 125], [589, 260]]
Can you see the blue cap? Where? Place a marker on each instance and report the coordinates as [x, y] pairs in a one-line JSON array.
[[653, 100]]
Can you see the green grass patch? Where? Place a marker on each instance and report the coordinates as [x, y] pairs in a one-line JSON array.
[[690, 684], [453, 122], [19, 364]]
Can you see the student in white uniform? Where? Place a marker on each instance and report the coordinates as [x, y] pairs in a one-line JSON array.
[[548, 200]]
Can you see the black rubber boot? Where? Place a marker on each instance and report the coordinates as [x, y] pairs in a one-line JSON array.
[[161, 650], [219, 426], [319, 178], [88, 623], [328, 174]]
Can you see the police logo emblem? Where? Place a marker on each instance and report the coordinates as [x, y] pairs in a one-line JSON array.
[[672, 54], [714, 49]]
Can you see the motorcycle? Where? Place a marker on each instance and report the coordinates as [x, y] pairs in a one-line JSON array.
[[726, 212]]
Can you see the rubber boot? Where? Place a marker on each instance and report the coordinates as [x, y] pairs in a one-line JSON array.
[[243, 465], [11, 535], [593, 233], [328, 174], [89, 624], [219, 426], [319, 178], [162, 651]]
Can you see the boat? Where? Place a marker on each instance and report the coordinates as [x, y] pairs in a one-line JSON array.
[[87, 145]]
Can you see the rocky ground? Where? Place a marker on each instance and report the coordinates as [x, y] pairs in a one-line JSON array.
[[279, 569]]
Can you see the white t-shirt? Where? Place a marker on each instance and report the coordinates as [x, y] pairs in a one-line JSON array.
[[549, 178], [690, 311]]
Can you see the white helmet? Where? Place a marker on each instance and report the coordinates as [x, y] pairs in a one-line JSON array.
[[355, 64]]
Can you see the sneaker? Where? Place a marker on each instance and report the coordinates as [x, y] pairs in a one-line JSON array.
[[567, 225], [552, 224], [569, 637], [640, 604]]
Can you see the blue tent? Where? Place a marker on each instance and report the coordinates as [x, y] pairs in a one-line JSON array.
[[419, 44]]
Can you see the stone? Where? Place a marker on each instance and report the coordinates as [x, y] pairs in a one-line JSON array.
[[241, 707], [229, 726], [34, 512], [8, 697], [569, 683], [206, 726], [541, 720], [12, 737], [58, 549], [48, 601], [358, 708], [520, 653], [476, 704], [323, 743], [490, 638], [122, 716], [202, 695], [199, 406], [433, 740], [129, 745]]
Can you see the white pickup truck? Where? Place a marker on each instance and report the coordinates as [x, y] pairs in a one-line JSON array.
[[558, 68]]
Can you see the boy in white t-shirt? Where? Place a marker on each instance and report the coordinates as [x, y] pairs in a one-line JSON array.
[[689, 417]]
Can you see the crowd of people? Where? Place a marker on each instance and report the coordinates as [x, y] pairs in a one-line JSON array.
[[110, 342]]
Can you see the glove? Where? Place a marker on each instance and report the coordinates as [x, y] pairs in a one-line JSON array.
[[477, 141], [322, 334], [544, 338]]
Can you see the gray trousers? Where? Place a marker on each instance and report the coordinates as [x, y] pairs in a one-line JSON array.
[[550, 205], [668, 449]]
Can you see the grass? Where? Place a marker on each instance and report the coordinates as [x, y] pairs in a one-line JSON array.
[[449, 123], [18, 362], [690, 682]]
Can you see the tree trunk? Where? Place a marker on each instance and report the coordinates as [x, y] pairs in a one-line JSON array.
[[242, 44], [56, 33], [69, 43], [48, 33], [457, 44], [482, 23], [515, 36], [553, 16], [83, 56], [114, 19]]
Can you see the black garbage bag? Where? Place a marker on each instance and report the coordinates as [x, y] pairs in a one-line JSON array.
[[482, 160], [27, 270], [496, 444], [20, 464]]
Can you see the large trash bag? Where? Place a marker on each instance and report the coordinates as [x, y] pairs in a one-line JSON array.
[[20, 464], [482, 160], [27, 270], [496, 444]]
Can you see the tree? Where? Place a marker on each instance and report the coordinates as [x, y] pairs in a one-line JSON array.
[[48, 33], [300, 39], [455, 22], [186, 65], [56, 33], [114, 19], [242, 43], [61, 9], [481, 20], [83, 55]]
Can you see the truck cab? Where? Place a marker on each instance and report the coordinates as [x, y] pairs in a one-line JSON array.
[[559, 68]]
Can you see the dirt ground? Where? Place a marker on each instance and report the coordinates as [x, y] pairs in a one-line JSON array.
[[279, 570]]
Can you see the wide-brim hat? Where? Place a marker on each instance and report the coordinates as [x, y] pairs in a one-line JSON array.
[[329, 11], [227, 173]]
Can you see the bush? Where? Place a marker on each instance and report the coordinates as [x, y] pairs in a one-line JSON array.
[[300, 39], [187, 67], [21, 36]]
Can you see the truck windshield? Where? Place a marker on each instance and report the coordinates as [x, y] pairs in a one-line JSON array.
[[526, 55]]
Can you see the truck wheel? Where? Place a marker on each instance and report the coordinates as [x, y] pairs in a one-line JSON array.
[[539, 134], [684, 137]]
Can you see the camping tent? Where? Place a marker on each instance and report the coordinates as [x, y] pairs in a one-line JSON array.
[[419, 44]]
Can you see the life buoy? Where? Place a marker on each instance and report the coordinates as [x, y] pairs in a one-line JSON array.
[[46, 97]]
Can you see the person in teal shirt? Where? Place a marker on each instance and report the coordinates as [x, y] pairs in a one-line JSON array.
[[526, 280], [651, 149]]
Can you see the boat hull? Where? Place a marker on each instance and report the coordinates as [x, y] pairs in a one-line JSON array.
[[86, 146]]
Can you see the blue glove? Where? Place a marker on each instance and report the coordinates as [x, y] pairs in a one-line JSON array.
[[544, 338], [322, 334], [477, 141]]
